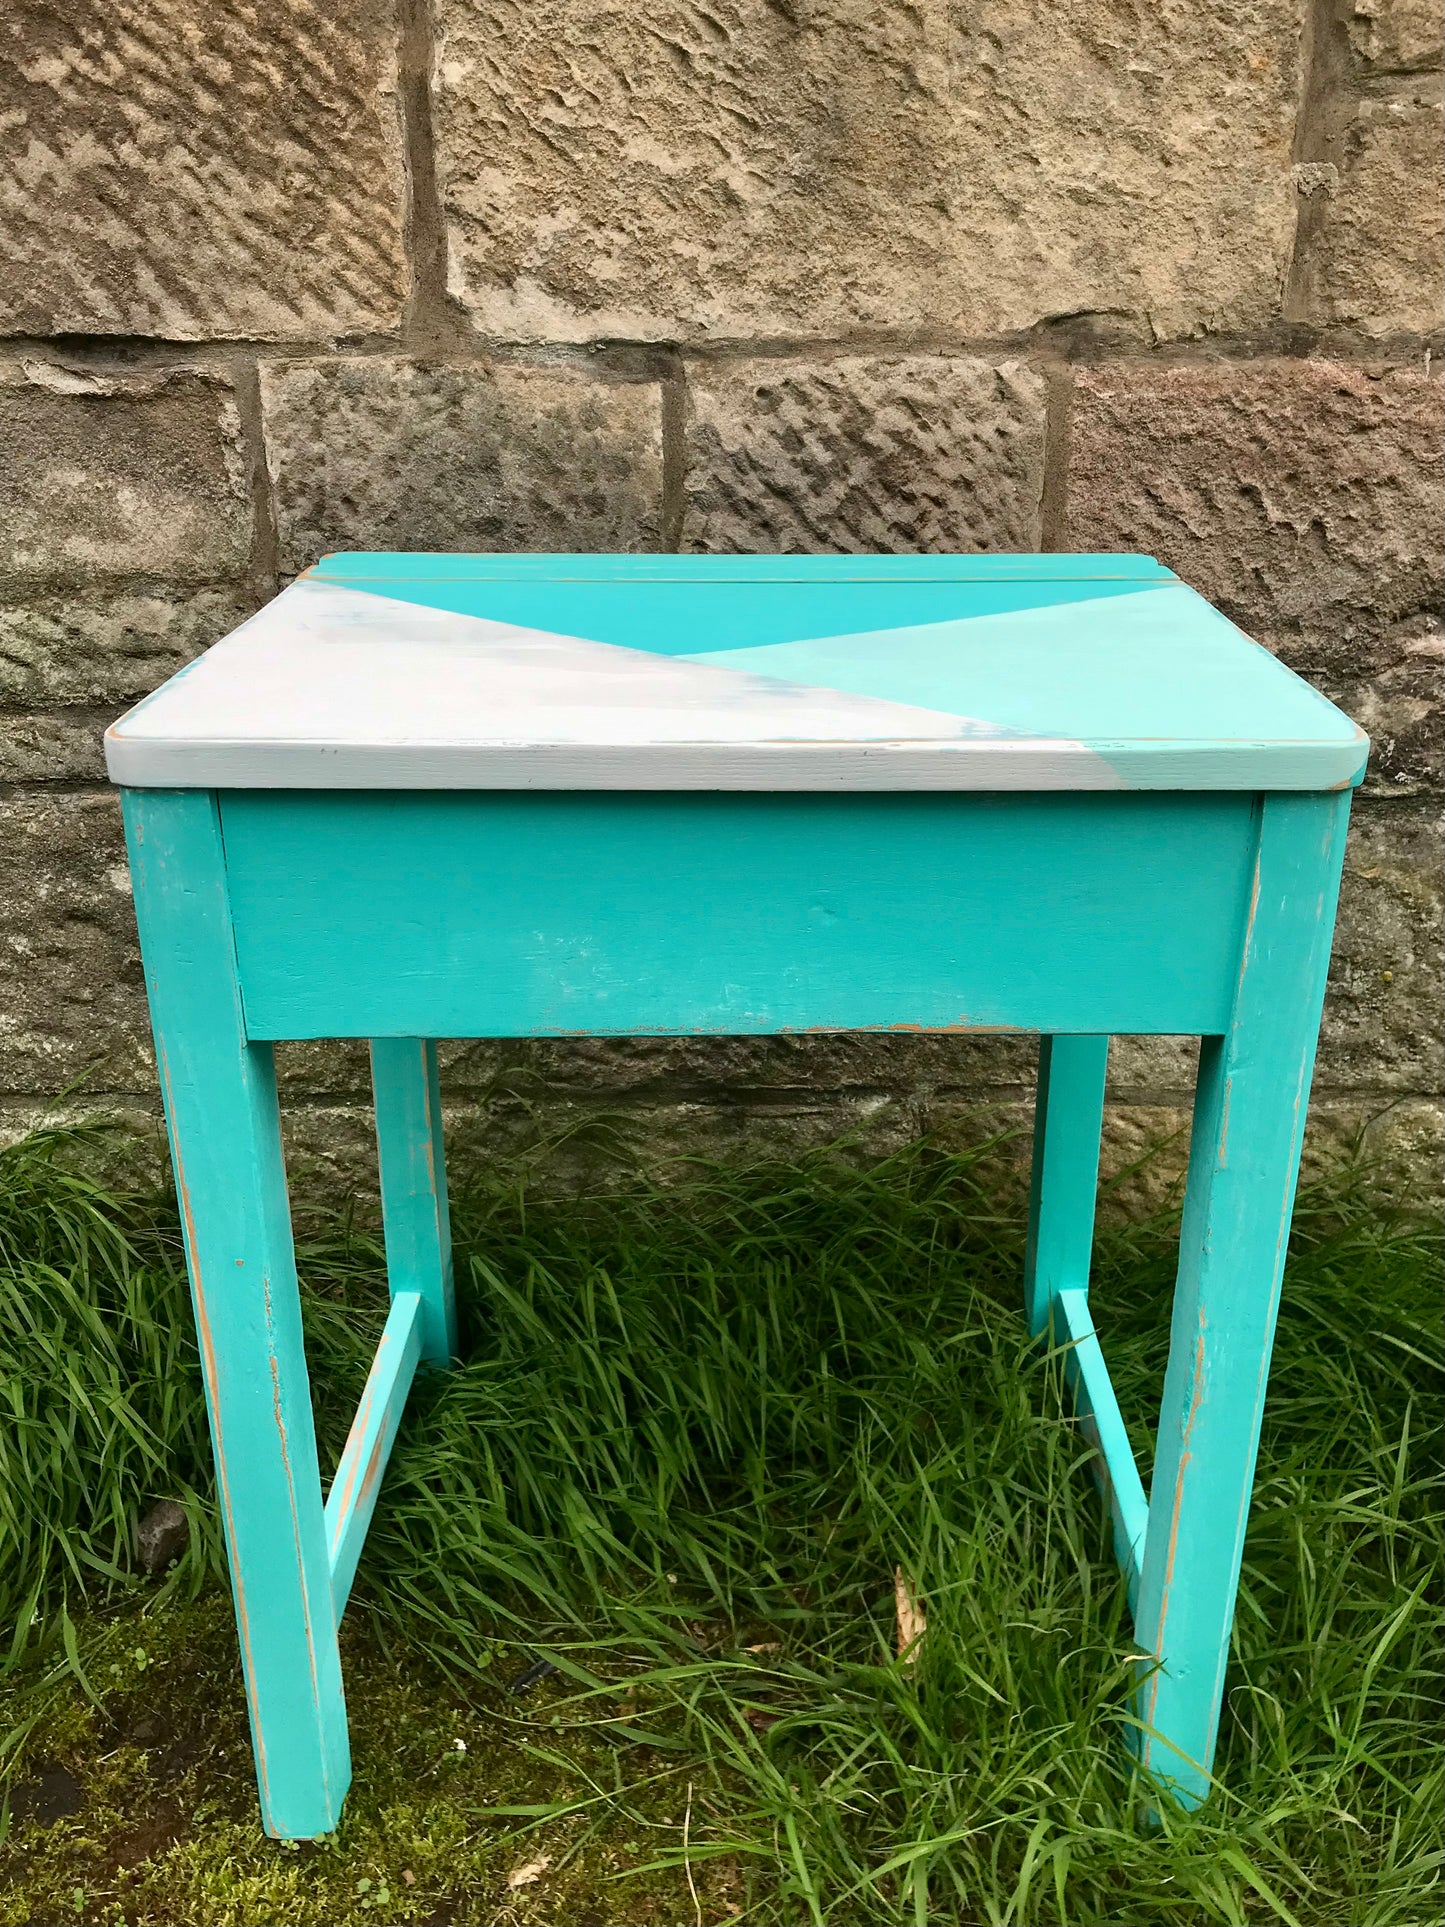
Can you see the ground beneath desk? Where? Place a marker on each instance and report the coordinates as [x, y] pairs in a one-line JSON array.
[[696, 1435]]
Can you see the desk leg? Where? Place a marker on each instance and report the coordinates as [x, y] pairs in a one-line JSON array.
[[1068, 1116], [414, 1186], [1249, 1118], [225, 1136]]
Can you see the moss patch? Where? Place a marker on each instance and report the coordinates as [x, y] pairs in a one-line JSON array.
[[142, 1808]]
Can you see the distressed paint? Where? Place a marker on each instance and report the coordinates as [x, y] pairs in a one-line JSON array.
[[352, 1498], [509, 916], [631, 676], [1244, 1158], [269, 912], [407, 1092], [221, 1114]]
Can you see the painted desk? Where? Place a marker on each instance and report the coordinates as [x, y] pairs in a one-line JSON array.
[[429, 796]]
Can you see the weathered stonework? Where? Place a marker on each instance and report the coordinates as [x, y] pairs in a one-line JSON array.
[[390, 454], [106, 476], [757, 169], [804, 230], [1296, 494], [1396, 35], [1301, 496], [53, 746], [1396, 700], [107, 647], [864, 453], [1383, 1016], [868, 1068], [331, 1146], [71, 995], [196, 169], [1383, 237]]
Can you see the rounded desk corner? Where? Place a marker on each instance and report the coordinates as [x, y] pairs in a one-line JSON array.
[[1360, 746]]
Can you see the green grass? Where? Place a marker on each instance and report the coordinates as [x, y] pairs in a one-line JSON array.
[[696, 1431]]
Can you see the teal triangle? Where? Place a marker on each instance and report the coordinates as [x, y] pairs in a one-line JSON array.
[[695, 618], [1157, 665]]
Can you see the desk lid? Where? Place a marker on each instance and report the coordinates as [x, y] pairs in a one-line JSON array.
[[1010, 672]]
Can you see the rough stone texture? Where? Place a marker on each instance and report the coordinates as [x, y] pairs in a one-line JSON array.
[[864, 454], [1383, 1016], [331, 1147], [1293, 493], [69, 664], [104, 476], [71, 995], [1384, 237], [1399, 706], [1403, 1145], [133, 1150], [861, 1072], [391, 454], [1302, 497], [753, 167], [108, 647], [54, 746], [199, 168], [1398, 1142], [888, 179], [1394, 35], [339, 1068]]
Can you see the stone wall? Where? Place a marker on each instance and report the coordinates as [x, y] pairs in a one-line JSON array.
[[713, 275]]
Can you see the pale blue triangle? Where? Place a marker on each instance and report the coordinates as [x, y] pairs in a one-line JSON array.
[[693, 614], [1160, 664]]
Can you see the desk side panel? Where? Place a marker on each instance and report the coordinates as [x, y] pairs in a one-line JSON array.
[[505, 915]]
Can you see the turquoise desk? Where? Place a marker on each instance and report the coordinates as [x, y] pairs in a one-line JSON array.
[[424, 796]]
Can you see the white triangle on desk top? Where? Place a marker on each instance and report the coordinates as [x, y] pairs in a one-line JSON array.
[[330, 685]]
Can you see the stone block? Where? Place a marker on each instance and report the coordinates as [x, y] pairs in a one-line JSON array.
[[1398, 1147], [821, 166], [130, 1151], [53, 746], [331, 1147], [392, 454], [1399, 705], [105, 476], [189, 170], [331, 1157], [859, 1066], [1382, 244], [109, 647], [1300, 496], [72, 997], [331, 1150], [1294, 494], [1396, 35], [1152, 1069], [1382, 1028], [864, 454], [335, 1070], [1394, 1144]]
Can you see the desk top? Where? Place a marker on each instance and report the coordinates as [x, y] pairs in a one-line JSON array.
[[1008, 672]]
